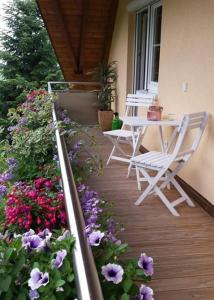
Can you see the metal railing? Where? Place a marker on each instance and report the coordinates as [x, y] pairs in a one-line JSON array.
[[68, 83], [86, 277]]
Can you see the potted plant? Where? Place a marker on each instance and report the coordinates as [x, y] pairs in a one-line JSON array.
[[107, 76]]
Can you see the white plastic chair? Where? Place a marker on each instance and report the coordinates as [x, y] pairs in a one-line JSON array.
[[121, 136], [160, 163]]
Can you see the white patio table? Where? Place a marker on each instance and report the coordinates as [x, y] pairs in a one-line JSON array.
[[135, 123], [138, 122]]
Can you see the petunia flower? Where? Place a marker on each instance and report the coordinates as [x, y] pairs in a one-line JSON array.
[[58, 261], [95, 238], [146, 263], [33, 294], [37, 279], [33, 242], [113, 272], [146, 293], [65, 235], [45, 235], [3, 190]]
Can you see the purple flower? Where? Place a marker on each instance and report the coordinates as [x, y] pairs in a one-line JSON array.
[[22, 121], [37, 279], [56, 157], [33, 294], [6, 176], [113, 272], [65, 235], [12, 163], [13, 128], [146, 263], [45, 234], [3, 190], [29, 233], [146, 293], [58, 261], [81, 188], [33, 242], [95, 238], [67, 120]]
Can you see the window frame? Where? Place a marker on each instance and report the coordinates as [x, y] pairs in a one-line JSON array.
[[149, 85]]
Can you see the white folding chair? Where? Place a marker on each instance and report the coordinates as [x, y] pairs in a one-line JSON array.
[[121, 136], [160, 162]]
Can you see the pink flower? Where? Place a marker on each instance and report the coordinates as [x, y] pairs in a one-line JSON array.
[[48, 183]]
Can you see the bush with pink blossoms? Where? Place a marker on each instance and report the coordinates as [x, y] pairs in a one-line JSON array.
[[38, 205]]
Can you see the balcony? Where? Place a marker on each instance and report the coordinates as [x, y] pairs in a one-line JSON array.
[[182, 247]]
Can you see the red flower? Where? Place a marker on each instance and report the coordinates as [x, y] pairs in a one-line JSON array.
[[32, 207]]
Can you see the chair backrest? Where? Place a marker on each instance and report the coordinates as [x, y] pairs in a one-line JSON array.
[[139, 100], [196, 121]]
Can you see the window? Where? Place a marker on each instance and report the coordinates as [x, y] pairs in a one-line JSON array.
[[148, 39]]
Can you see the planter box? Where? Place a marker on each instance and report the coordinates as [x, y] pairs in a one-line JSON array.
[[105, 118]]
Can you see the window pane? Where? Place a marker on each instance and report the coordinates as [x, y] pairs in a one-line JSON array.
[[142, 19], [156, 44]]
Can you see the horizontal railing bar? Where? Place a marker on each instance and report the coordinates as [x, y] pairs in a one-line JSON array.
[[86, 277], [50, 90]]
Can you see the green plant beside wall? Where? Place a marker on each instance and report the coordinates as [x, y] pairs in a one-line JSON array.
[[106, 74]]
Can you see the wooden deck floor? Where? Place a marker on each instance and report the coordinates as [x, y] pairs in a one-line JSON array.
[[182, 247]]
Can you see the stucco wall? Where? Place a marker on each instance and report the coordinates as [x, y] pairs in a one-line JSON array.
[[187, 55], [119, 52]]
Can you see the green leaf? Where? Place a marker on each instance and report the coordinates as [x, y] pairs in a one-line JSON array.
[[36, 265], [8, 253], [5, 283], [140, 272], [70, 278], [21, 296], [125, 297], [60, 282], [127, 284], [18, 265]]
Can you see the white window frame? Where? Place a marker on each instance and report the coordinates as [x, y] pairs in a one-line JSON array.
[[150, 85]]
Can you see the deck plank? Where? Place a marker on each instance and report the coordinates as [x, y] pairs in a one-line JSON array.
[[182, 247]]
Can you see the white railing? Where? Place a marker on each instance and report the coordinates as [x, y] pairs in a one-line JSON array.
[[68, 84], [86, 277]]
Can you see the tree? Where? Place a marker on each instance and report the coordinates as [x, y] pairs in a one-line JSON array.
[[27, 59]]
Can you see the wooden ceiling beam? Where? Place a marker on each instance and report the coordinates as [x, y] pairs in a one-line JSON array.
[[67, 39], [83, 34], [110, 30]]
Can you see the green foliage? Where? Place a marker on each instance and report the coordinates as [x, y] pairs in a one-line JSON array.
[[106, 74], [28, 59], [32, 138]]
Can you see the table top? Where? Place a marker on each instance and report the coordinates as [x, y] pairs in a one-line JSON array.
[[139, 121]]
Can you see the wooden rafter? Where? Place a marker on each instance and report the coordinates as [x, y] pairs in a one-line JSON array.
[[83, 33], [110, 30], [67, 39]]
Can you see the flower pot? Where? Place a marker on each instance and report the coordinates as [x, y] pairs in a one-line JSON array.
[[105, 118]]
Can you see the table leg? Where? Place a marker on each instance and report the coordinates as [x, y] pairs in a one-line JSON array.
[[163, 148]]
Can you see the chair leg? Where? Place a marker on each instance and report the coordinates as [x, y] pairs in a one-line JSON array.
[[112, 152], [129, 170], [116, 146], [152, 183], [182, 192], [138, 179], [166, 202]]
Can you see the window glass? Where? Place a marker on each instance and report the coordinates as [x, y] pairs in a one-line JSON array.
[[148, 39], [156, 43]]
